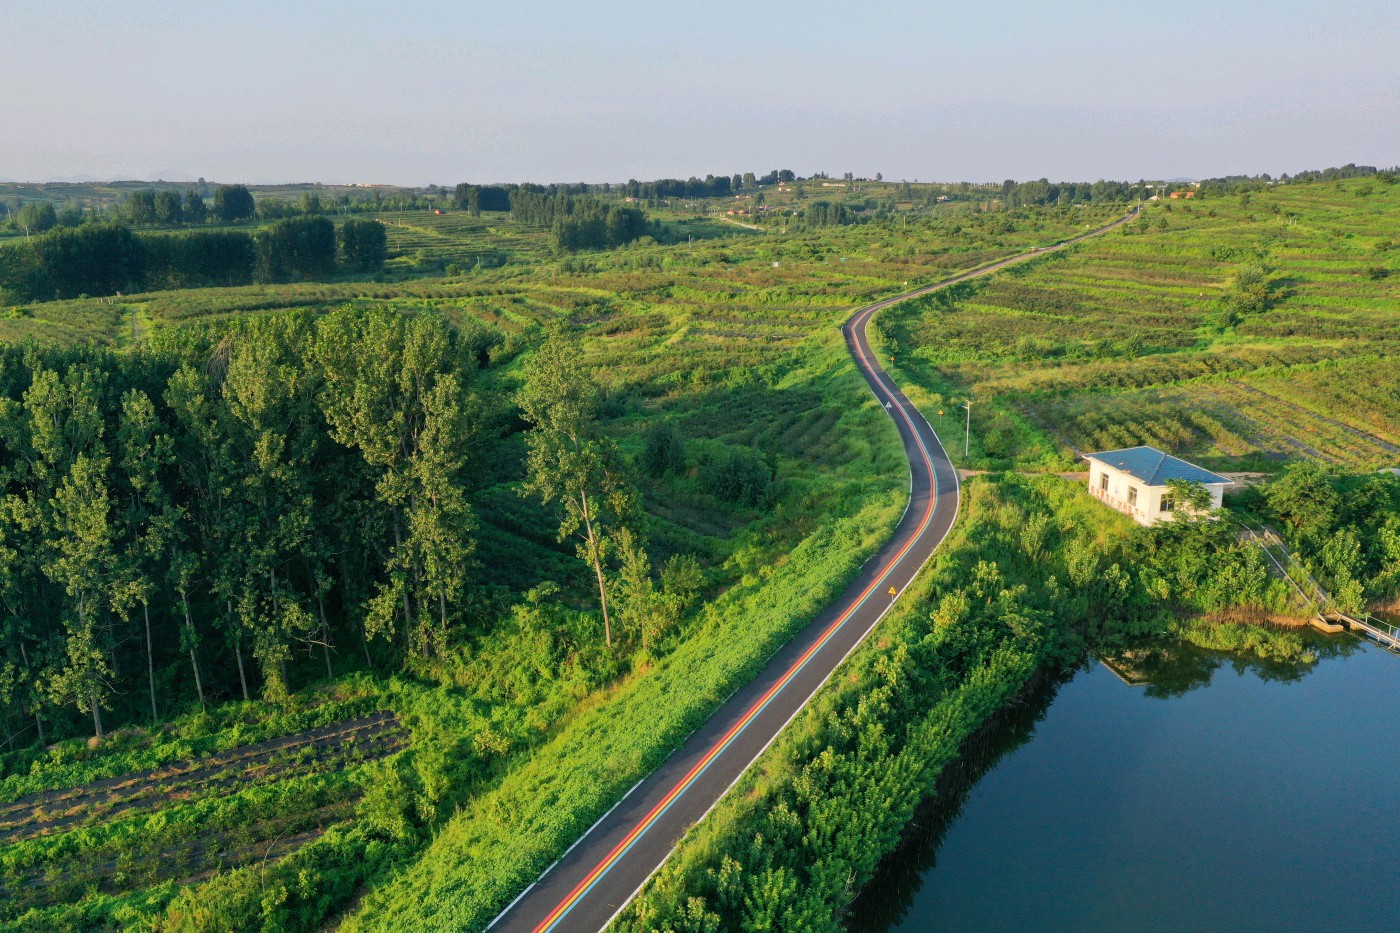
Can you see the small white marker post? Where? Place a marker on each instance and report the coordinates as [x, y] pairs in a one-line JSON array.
[[967, 435]]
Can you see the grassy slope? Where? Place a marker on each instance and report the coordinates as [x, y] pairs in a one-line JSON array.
[[717, 340], [1121, 342], [798, 838]]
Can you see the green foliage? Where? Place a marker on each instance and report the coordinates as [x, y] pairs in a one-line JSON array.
[[579, 223], [198, 260], [739, 476], [363, 245], [1304, 499], [1269, 644], [1189, 498], [1249, 293], [663, 450], [233, 203], [93, 259], [570, 462], [826, 214], [294, 249], [105, 260], [36, 217]]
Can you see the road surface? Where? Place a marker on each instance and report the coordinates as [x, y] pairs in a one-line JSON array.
[[608, 865]]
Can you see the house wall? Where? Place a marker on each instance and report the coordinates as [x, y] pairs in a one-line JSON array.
[[1146, 507]]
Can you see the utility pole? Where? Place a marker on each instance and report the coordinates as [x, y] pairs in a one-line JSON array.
[[967, 435]]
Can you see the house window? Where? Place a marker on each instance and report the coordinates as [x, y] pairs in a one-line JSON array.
[[1103, 481], [1167, 504], [1132, 495]]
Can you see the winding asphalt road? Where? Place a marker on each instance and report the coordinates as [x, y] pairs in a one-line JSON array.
[[608, 865]]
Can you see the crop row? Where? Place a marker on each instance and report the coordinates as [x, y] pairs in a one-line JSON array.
[[278, 759]]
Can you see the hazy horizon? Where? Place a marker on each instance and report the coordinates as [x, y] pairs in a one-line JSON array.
[[434, 93]]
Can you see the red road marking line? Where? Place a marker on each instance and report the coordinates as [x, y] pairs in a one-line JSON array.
[[681, 786]]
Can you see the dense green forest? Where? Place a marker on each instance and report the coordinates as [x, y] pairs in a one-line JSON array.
[[239, 487], [422, 519], [107, 259]]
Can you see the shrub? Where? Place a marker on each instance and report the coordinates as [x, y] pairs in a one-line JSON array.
[[740, 477], [663, 450]]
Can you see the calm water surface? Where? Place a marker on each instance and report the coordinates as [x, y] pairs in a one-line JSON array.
[[1221, 796]]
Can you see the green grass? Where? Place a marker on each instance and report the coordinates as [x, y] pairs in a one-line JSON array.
[[1123, 341], [733, 340]]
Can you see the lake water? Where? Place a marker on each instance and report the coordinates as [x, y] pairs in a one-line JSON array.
[[1221, 796]]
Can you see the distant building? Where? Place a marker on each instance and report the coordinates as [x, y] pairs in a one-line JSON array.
[[1134, 481]]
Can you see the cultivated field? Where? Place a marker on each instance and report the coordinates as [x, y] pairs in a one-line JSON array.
[[530, 730], [1138, 337]]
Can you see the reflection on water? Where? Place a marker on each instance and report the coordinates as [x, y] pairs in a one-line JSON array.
[[1169, 788], [1171, 669]]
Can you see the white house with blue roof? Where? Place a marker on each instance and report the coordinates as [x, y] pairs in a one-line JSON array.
[[1134, 481]]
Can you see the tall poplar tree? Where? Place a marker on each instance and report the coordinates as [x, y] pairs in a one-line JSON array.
[[79, 560], [144, 451], [570, 462], [391, 391], [68, 507], [270, 397], [208, 466]]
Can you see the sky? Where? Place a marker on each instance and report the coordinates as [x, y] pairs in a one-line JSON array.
[[418, 92]]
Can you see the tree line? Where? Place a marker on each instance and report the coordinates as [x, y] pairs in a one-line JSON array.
[[827, 214], [105, 259], [179, 525], [1043, 192], [578, 223], [478, 198]]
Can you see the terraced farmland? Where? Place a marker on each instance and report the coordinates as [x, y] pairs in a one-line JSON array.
[[183, 820], [419, 240], [1138, 338]]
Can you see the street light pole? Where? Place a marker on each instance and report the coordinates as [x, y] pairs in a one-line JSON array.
[[967, 434]]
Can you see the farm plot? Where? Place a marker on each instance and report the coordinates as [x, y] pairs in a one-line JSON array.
[[1222, 422], [182, 821], [1128, 419], [420, 239], [1139, 338], [365, 739]]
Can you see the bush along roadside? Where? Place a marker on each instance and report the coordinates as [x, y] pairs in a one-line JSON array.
[[1036, 574], [1031, 575]]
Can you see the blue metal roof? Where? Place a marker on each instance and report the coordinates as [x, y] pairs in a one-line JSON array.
[[1154, 467]]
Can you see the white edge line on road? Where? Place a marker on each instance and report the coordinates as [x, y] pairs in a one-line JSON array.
[[933, 477], [907, 406]]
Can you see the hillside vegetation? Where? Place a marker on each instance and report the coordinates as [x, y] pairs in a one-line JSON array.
[[252, 529], [1240, 330], [312, 555]]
